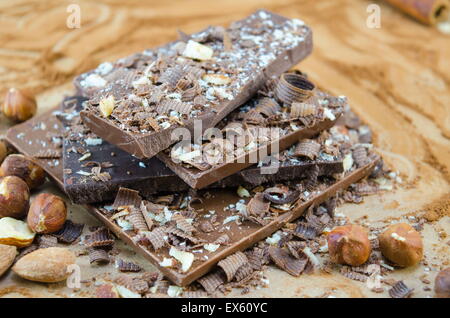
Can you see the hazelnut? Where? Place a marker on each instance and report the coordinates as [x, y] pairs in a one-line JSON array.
[[349, 244], [401, 244], [442, 283], [18, 105], [47, 213], [3, 151], [14, 197], [24, 168]]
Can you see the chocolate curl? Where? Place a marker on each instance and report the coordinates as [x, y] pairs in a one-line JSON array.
[[293, 88], [426, 11]]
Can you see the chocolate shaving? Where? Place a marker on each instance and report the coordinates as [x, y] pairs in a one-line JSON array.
[[231, 264], [106, 291], [307, 148], [258, 257], [224, 239], [172, 75], [243, 272], [124, 266], [360, 156], [194, 294], [305, 231], [139, 286], [98, 256], [266, 108], [212, 281], [286, 262], [281, 195], [137, 220], [156, 238], [312, 176], [227, 42], [47, 241], [257, 206], [296, 248], [293, 88], [400, 290], [353, 275], [183, 224], [183, 235], [48, 154], [100, 237], [168, 105], [127, 197], [299, 110], [206, 226], [70, 232]]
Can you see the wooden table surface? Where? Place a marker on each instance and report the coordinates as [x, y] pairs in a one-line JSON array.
[[397, 78]]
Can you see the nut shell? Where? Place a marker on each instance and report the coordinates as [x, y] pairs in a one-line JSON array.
[[14, 197], [401, 244], [18, 105], [24, 168], [47, 213], [442, 284], [7, 255], [46, 265], [349, 244], [3, 151]]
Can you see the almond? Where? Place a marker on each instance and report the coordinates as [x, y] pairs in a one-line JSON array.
[[7, 256], [197, 51], [107, 105], [47, 265]]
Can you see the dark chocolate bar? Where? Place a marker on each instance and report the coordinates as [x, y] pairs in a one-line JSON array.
[[224, 209], [41, 139], [255, 129], [137, 103]]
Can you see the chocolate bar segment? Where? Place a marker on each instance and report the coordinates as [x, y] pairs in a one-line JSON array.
[[87, 156], [260, 128], [137, 105], [41, 139]]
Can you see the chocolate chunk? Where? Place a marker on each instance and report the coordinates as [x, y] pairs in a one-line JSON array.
[[151, 175], [134, 136]]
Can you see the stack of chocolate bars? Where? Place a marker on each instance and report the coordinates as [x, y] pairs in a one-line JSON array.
[[196, 150]]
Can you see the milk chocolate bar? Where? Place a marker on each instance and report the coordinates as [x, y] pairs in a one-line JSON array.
[[137, 103], [251, 133], [222, 223], [94, 169]]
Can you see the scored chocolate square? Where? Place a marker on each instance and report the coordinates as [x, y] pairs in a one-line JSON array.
[[262, 127], [138, 102]]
